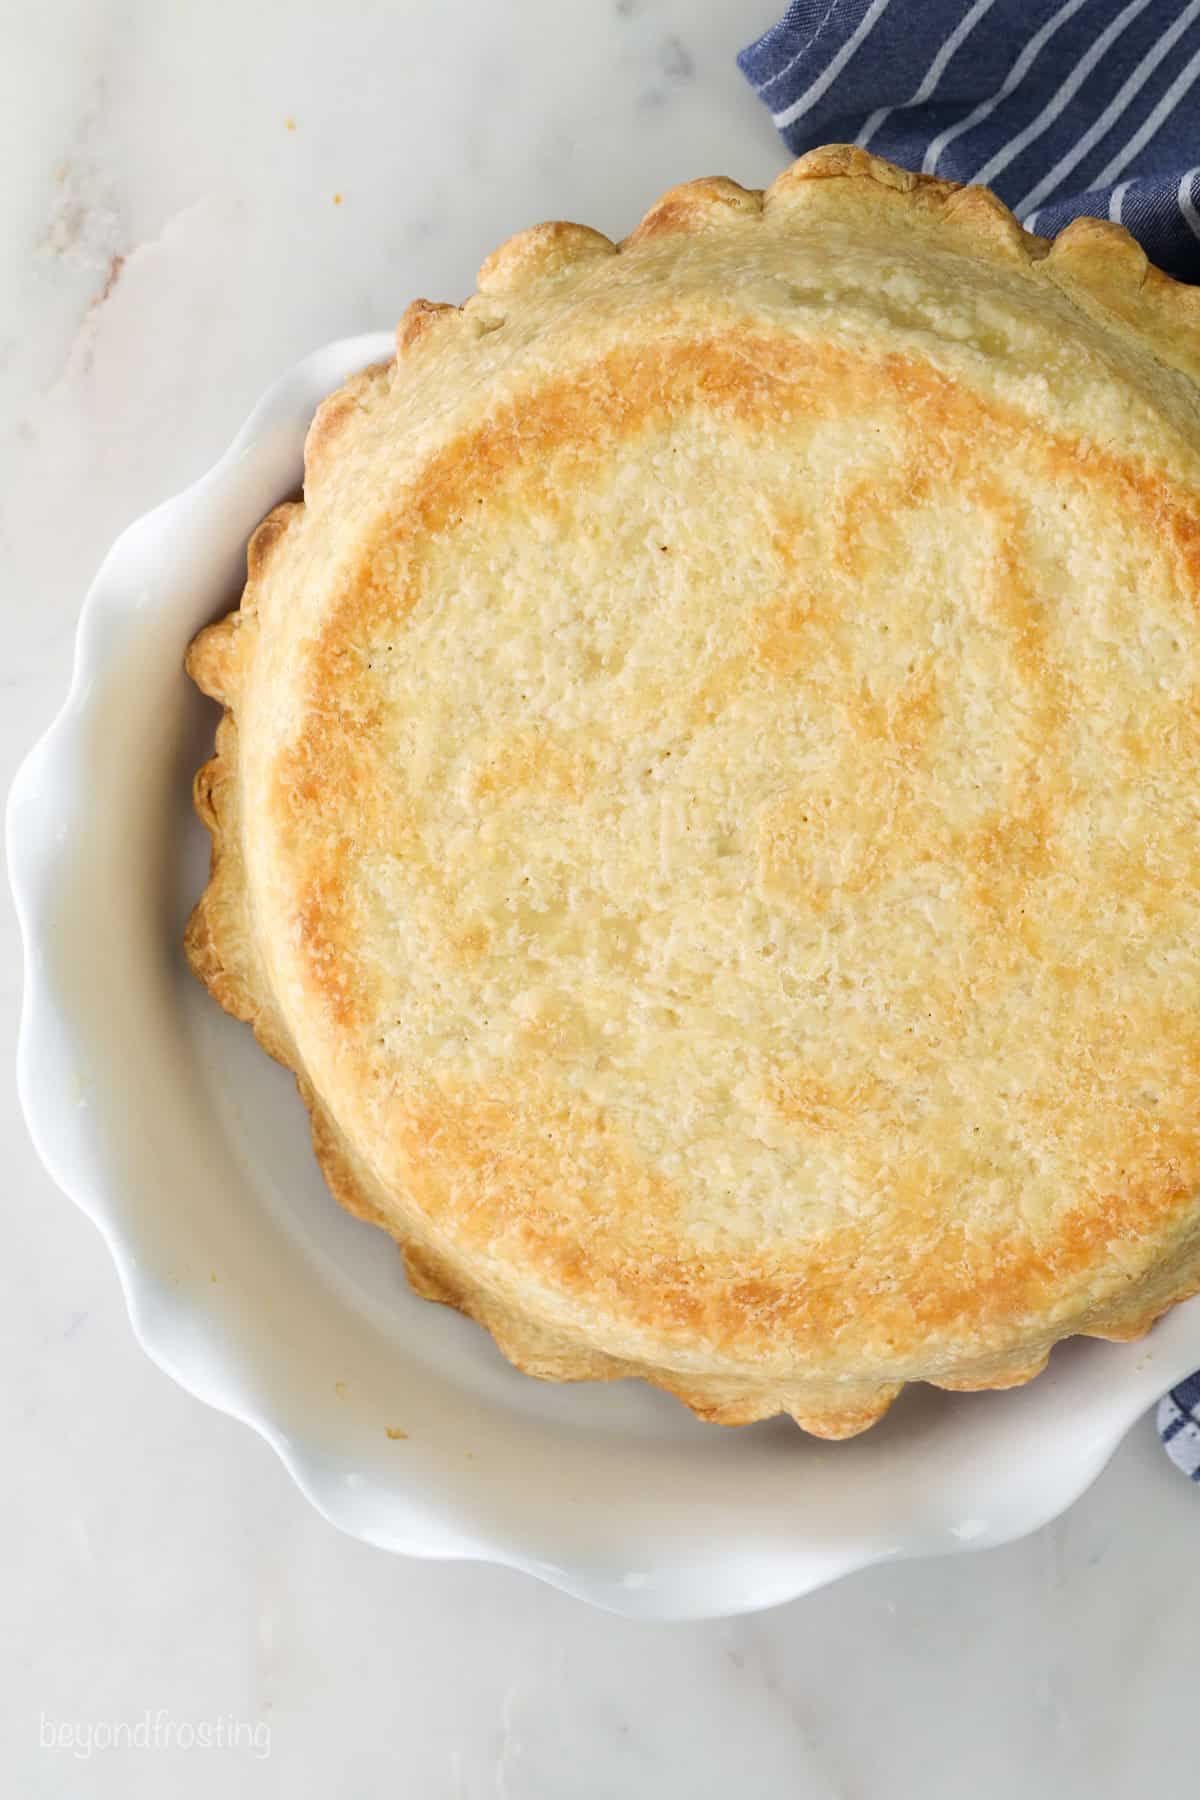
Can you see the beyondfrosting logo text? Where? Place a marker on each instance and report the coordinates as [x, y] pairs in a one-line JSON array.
[[84, 1738]]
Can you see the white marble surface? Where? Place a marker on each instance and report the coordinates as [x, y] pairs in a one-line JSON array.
[[171, 240]]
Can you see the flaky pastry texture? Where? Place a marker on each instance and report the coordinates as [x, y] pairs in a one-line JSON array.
[[708, 792]]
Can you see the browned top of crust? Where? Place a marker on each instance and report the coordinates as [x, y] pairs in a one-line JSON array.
[[718, 755]]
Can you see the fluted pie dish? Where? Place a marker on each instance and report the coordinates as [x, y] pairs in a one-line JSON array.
[[188, 1147], [707, 798]]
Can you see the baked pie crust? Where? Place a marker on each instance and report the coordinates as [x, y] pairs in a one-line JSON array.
[[708, 797]]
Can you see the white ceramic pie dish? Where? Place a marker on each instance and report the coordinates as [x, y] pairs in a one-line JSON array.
[[162, 1118]]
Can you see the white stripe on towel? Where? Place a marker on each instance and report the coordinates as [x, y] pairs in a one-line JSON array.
[[808, 99]]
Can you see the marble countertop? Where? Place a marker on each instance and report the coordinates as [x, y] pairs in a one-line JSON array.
[[194, 196]]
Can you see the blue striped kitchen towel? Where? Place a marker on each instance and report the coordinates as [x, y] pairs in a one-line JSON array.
[[1062, 106], [1179, 1425]]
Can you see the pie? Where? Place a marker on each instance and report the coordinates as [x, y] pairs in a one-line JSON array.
[[708, 800]]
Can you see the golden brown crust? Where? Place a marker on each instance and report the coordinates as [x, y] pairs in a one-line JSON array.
[[524, 1188], [703, 205], [542, 251], [331, 419], [418, 320]]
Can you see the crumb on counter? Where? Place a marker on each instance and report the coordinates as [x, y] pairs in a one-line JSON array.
[[339, 1388], [394, 1431], [337, 199], [289, 123]]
